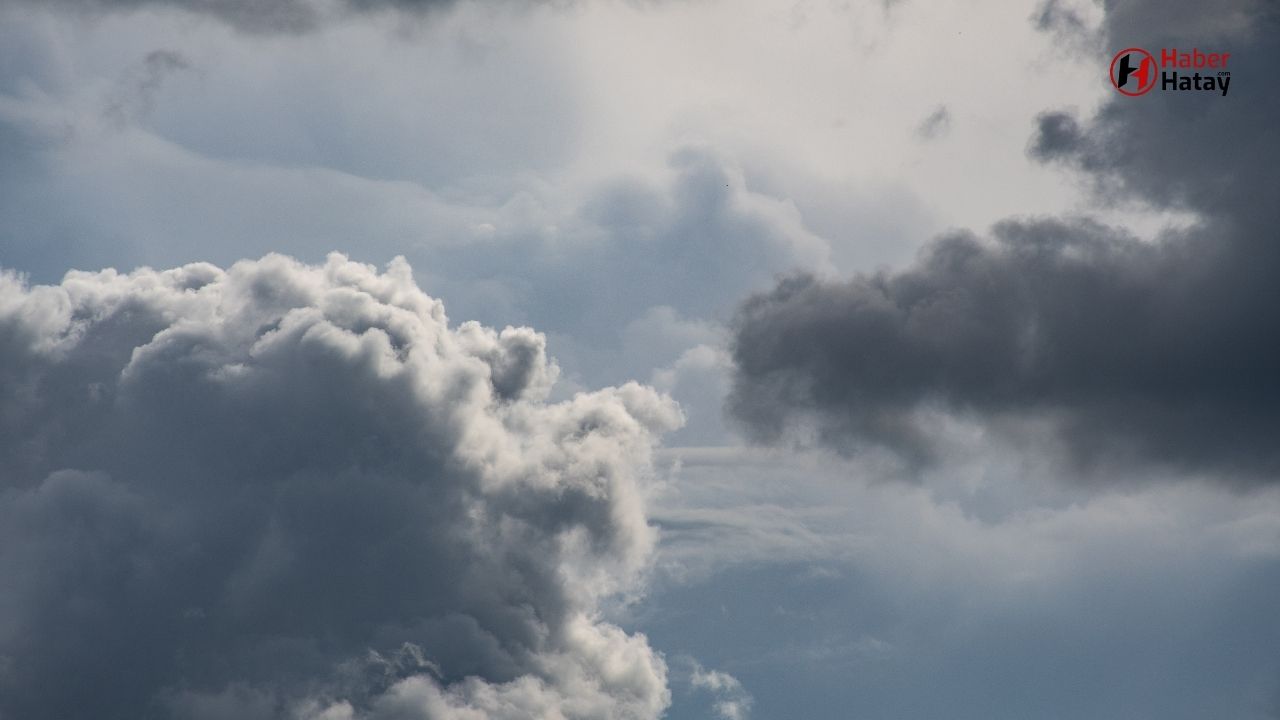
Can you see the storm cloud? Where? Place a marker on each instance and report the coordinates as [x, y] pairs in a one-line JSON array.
[[1161, 353], [291, 491]]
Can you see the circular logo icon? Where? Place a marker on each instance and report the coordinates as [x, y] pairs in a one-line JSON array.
[[1133, 71]]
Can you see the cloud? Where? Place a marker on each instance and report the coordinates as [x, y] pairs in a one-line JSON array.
[[732, 701], [935, 125], [251, 16], [1073, 23], [521, 159], [291, 491], [136, 97], [820, 587], [695, 243], [1160, 354]]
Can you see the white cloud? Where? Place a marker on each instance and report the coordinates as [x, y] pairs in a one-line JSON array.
[[731, 700]]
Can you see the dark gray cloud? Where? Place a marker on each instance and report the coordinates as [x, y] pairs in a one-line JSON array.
[[285, 491], [1151, 22], [1163, 352]]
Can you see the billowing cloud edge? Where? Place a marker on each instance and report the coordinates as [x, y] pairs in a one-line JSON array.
[[282, 490]]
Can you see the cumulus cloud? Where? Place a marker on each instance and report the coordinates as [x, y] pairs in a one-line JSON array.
[[291, 491], [1161, 353]]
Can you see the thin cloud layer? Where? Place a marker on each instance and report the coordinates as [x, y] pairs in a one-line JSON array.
[[1162, 354], [291, 491], [252, 16]]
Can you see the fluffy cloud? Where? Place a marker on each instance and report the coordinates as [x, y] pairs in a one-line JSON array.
[[1161, 353], [281, 490]]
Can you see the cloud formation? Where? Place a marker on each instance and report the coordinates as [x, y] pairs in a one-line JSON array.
[[732, 701], [251, 16], [291, 491], [1159, 353]]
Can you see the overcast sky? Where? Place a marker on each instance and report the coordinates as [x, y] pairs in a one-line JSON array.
[[457, 360]]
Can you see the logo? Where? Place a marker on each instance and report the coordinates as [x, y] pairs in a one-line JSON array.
[[1134, 71]]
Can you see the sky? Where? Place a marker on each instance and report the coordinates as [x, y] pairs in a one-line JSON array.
[[689, 359]]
